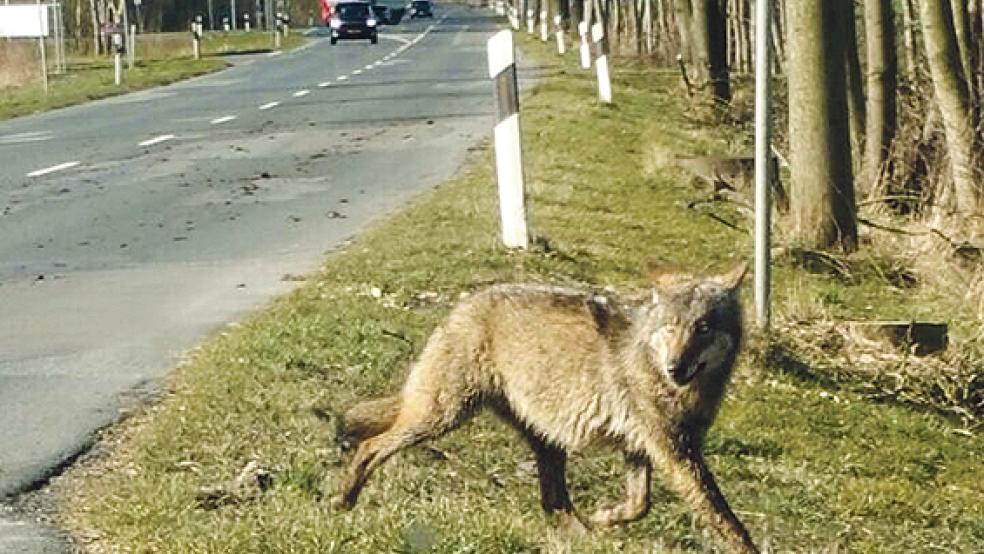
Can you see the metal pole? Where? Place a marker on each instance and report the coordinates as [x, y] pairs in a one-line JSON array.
[[763, 156], [59, 38], [44, 59], [131, 48], [232, 10]]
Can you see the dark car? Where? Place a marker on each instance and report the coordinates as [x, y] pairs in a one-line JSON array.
[[420, 8], [353, 20]]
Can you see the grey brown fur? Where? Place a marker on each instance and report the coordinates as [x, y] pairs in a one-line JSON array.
[[569, 368], [732, 178]]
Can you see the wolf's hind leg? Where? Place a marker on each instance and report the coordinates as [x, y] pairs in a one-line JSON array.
[[418, 420], [636, 502], [368, 419], [551, 465]]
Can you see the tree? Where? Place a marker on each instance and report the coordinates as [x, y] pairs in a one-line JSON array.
[[953, 98], [822, 192], [879, 23], [704, 43], [855, 89]]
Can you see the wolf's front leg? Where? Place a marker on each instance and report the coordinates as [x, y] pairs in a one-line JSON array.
[[636, 502], [690, 478], [551, 465]]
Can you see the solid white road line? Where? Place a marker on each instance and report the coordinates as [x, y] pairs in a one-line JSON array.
[[269, 105], [223, 119], [156, 140], [53, 169], [301, 93]]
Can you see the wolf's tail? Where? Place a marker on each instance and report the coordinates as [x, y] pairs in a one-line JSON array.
[[368, 419]]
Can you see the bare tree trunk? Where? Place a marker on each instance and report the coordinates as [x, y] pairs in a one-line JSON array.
[[950, 86], [779, 37], [97, 44], [961, 26], [975, 25], [684, 19], [709, 45], [744, 20], [879, 23], [909, 40], [855, 89], [647, 26], [822, 203]]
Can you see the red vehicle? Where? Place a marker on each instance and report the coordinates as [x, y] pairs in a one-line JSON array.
[[327, 10]]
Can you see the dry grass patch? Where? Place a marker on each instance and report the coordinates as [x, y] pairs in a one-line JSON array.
[[18, 62]]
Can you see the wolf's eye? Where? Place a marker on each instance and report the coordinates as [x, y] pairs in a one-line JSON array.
[[703, 327]]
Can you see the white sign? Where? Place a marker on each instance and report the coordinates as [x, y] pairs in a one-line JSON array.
[[24, 20]]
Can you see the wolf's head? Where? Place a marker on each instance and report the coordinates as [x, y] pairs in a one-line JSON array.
[[693, 325]]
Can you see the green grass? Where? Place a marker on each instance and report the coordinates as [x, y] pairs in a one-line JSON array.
[[808, 464], [163, 59]]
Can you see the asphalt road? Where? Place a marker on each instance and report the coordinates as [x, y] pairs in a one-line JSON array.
[[132, 227]]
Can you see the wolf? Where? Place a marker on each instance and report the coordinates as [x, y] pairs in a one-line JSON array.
[[569, 368], [733, 178]]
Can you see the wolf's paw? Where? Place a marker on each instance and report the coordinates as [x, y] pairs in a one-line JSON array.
[[615, 515], [571, 525], [341, 503]]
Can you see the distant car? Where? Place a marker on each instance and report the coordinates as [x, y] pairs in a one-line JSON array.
[[396, 15], [382, 14], [353, 20], [420, 8]]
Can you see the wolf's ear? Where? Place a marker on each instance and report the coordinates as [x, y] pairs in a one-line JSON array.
[[733, 278], [663, 276]]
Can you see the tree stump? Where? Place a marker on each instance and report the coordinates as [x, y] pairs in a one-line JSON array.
[[920, 337]]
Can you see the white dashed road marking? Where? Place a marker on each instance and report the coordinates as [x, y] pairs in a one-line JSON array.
[[156, 140], [269, 105], [357, 72], [26, 137], [325, 84], [223, 119], [53, 169], [301, 93], [342, 77], [368, 67]]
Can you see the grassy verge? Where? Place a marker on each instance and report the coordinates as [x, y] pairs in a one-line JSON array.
[[810, 465], [163, 59]]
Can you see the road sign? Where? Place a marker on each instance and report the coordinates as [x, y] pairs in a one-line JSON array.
[[24, 21]]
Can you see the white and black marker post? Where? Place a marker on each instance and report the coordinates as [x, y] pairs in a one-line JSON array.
[[118, 48], [131, 47], [508, 148], [196, 36], [601, 63], [559, 33], [544, 31], [585, 50]]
